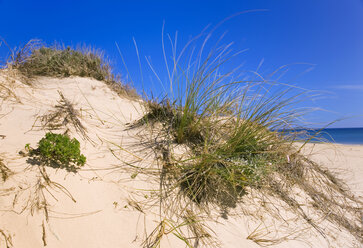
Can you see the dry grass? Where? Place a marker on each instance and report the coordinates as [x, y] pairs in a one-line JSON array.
[[31, 196], [44, 186], [64, 115], [37, 59], [5, 239], [326, 193], [190, 231], [8, 86], [7, 93], [34, 197], [4, 170]]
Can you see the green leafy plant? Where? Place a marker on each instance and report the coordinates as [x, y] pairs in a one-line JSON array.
[[60, 151]]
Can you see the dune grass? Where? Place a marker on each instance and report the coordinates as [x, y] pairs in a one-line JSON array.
[[60, 61], [227, 123], [227, 127], [37, 59]]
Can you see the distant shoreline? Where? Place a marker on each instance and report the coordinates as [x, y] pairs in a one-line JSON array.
[[344, 136]]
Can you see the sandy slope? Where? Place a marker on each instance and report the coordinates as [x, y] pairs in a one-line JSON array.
[[345, 160], [103, 213]]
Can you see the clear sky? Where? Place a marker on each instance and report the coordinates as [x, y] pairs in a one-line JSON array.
[[327, 35]]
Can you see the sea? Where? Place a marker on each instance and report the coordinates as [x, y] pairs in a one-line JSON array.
[[333, 135]]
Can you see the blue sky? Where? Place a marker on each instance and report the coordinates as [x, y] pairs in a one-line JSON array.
[[324, 39]]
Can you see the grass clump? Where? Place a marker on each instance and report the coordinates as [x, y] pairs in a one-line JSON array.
[[226, 127], [37, 59], [59, 151], [184, 130], [59, 62], [224, 159], [158, 112]]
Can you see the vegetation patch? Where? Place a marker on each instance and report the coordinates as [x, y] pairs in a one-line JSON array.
[[183, 129], [227, 127], [228, 157], [37, 59], [63, 62], [58, 151]]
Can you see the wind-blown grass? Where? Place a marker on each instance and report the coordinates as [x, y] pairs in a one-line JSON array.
[[227, 123], [227, 127]]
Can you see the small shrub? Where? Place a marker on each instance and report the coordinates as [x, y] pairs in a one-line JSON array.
[[58, 150]]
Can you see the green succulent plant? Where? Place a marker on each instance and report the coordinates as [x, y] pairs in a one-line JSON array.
[[59, 150]]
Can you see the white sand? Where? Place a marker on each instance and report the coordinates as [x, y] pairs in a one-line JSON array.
[[102, 215], [345, 160]]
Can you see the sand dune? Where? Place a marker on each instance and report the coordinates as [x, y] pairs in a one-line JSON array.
[[99, 206]]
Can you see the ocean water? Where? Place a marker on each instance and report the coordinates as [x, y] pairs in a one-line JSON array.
[[334, 135]]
